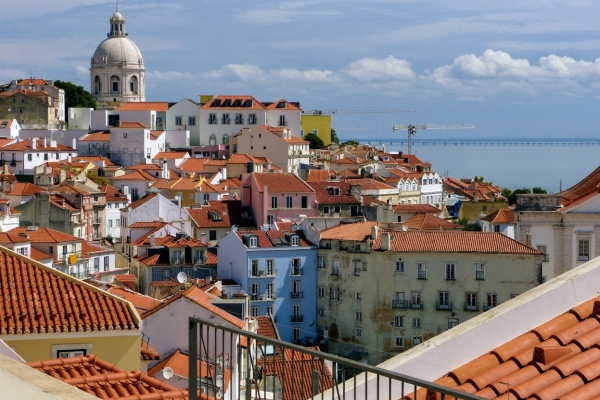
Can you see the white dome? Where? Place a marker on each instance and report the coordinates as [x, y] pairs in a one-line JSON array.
[[117, 17], [119, 50]]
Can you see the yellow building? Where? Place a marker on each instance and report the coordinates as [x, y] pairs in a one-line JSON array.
[[184, 188], [54, 315], [32, 109], [317, 124]]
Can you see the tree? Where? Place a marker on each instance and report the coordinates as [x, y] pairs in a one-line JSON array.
[[466, 225], [315, 141], [539, 190], [76, 96], [512, 199], [482, 180], [100, 180], [350, 143], [506, 192], [334, 137]]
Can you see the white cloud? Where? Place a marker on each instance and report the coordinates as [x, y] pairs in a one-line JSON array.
[[82, 70], [6, 75], [311, 75], [372, 69], [169, 76], [244, 72]]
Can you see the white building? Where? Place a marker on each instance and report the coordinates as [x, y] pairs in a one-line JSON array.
[[134, 143], [23, 156], [117, 72]]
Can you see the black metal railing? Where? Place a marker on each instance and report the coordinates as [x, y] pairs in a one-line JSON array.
[[296, 271], [443, 305], [297, 295], [400, 304], [415, 304], [471, 306], [422, 274], [259, 367], [297, 318], [480, 275]]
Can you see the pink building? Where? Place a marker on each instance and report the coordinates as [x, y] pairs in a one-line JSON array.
[[277, 197]]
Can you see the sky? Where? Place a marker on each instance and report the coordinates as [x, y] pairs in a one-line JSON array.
[[513, 69]]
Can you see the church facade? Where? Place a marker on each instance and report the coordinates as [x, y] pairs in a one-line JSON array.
[[117, 72]]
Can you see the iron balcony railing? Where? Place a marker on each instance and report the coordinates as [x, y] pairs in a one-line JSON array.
[[422, 274], [297, 271], [443, 305], [259, 367], [297, 318], [480, 275], [297, 295], [400, 304], [471, 306]]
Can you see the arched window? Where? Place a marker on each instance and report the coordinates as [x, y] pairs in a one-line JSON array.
[[225, 139], [97, 85], [133, 85], [212, 140], [115, 85]]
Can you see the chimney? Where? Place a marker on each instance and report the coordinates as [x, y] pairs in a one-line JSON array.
[[69, 159], [165, 170], [74, 144], [33, 143], [386, 239], [45, 142], [374, 231], [52, 143], [203, 238], [223, 173], [152, 240]]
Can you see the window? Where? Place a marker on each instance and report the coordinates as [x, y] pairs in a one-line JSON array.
[[416, 322], [296, 266], [450, 271], [358, 316], [239, 119], [421, 270], [288, 202], [497, 228], [336, 209], [29, 157], [270, 267], [178, 121], [416, 299], [325, 210], [110, 222], [335, 267], [282, 120], [320, 311], [97, 264], [444, 301], [251, 119], [452, 322], [513, 295], [542, 249], [492, 300], [71, 350], [254, 290], [297, 289], [358, 296], [322, 261], [399, 266], [399, 321], [253, 241], [304, 201], [479, 271], [192, 121], [212, 119], [166, 274], [364, 265], [399, 341], [255, 311], [584, 250], [118, 223], [274, 202], [269, 310], [212, 235], [357, 247], [334, 293], [270, 292], [295, 334], [357, 268], [23, 251], [115, 87], [322, 292], [270, 219], [471, 302], [358, 332], [225, 119], [255, 268], [212, 139]]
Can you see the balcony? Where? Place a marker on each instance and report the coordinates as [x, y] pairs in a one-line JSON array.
[[257, 273], [297, 295], [416, 305], [335, 271], [480, 275], [176, 260], [471, 306], [444, 305], [198, 260], [13, 163], [343, 378], [96, 220], [297, 318], [488, 306], [296, 271], [422, 274], [400, 304]]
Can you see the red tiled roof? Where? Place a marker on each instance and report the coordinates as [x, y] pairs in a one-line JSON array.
[[171, 155], [371, 184], [12, 237], [276, 105], [201, 298], [100, 136], [193, 165], [317, 175], [141, 201], [559, 359], [33, 82], [141, 302], [502, 216], [38, 255], [588, 184], [44, 300], [424, 221], [26, 145], [134, 176], [255, 105], [229, 213], [454, 242], [144, 106], [107, 381], [326, 196], [45, 235], [266, 327], [148, 353], [358, 232], [416, 208], [124, 124], [284, 182]]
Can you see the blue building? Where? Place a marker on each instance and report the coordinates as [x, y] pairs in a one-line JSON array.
[[278, 270]]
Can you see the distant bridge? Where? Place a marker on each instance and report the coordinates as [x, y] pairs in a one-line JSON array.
[[487, 142]]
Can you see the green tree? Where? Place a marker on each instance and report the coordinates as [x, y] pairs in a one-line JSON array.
[[315, 141], [100, 180], [482, 180], [512, 199], [539, 190], [76, 96], [506, 192], [350, 143], [466, 225], [334, 137]]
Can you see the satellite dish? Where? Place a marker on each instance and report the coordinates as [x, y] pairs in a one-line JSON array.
[[181, 277], [167, 373]]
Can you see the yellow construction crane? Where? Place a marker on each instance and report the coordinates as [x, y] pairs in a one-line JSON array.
[[412, 130]]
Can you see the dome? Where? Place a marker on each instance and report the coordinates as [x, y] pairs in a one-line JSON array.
[[117, 50], [117, 16]]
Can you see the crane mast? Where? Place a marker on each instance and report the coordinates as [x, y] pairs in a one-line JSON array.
[[412, 130]]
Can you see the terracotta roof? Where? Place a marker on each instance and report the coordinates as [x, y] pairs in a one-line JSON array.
[[371, 184], [230, 212], [33, 82], [356, 232], [282, 104], [168, 283], [424, 221], [107, 381], [234, 101], [502, 216], [325, 193], [113, 194], [100, 136], [559, 359], [588, 184], [13, 237], [454, 242], [45, 235], [193, 165], [201, 298], [44, 300], [134, 176], [284, 182], [38, 255], [26, 145], [268, 239], [266, 327], [143, 106], [124, 124], [317, 175], [141, 302], [171, 155], [416, 208], [148, 353]]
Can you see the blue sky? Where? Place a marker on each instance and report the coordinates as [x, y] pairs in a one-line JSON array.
[[512, 68]]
